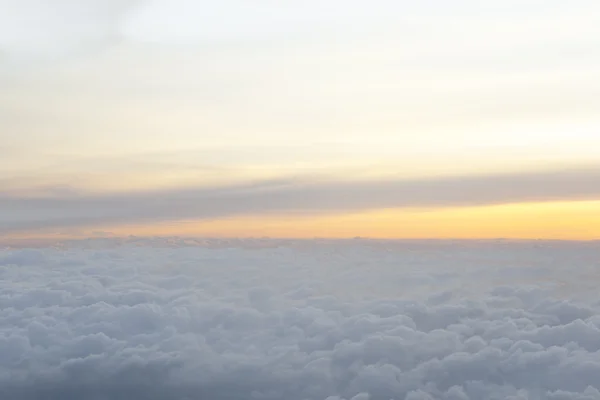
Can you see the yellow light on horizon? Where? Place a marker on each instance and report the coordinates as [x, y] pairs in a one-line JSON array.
[[574, 220]]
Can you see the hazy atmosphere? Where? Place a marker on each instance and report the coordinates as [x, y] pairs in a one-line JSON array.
[[299, 200], [300, 118]]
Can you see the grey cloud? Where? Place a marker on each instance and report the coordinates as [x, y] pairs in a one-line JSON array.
[[312, 320], [310, 196]]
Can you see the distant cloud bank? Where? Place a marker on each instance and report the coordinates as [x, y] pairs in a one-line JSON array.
[[73, 209]]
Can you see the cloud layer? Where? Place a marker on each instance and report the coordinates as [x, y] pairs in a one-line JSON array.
[[68, 208], [300, 320]]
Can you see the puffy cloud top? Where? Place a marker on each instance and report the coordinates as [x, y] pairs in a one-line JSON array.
[[300, 320]]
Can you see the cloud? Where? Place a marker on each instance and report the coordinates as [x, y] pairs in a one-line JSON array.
[[63, 209], [302, 320]]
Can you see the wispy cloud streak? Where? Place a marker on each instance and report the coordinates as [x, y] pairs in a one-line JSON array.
[[69, 208]]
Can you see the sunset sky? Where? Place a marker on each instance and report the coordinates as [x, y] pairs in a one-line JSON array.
[[305, 118]]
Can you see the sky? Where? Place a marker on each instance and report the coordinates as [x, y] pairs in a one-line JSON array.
[[428, 119]]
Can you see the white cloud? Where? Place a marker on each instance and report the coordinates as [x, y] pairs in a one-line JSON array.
[[300, 320]]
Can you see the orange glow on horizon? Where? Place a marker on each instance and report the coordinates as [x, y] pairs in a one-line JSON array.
[[556, 220], [560, 220]]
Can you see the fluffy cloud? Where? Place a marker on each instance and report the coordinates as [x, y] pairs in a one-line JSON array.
[[330, 320]]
